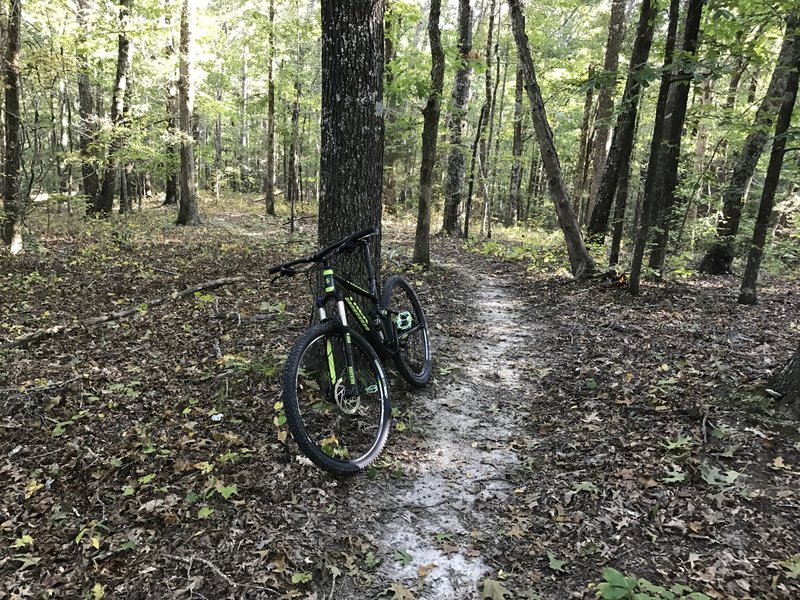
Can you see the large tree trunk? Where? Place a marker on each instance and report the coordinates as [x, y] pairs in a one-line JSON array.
[[430, 133], [719, 257], [187, 208], [786, 381], [351, 153], [676, 115], [106, 201], [580, 262], [748, 293], [269, 175], [622, 140], [454, 192], [13, 198], [605, 97], [653, 162], [90, 179]]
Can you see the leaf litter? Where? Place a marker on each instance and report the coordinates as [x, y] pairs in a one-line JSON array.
[[569, 428]]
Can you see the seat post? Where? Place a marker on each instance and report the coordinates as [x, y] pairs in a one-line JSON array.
[[373, 287]]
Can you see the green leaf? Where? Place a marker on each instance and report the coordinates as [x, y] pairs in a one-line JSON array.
[[791, 566], [555, 564], [128, 490], [205, 512], [585, 486], [680, 442], [23, 541], [226, 491], [301, 577], [494, 590], [402, 556], [713, 476], [147, 478], [674, 475]]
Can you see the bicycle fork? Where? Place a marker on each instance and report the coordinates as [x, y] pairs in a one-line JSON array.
[[331, 291]]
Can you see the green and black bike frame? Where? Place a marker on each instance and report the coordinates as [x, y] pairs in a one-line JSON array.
[[345, 303]]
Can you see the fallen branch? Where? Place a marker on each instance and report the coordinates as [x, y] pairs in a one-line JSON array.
[[40, 334]]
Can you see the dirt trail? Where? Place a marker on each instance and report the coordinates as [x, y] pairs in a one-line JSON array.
[[447, 517]]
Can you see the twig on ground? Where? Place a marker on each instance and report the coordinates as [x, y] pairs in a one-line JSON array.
[[41, 334]]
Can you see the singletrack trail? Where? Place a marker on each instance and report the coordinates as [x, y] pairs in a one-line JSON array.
[[440, 526]]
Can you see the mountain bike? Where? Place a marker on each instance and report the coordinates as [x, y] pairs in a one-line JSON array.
[[335, 388]]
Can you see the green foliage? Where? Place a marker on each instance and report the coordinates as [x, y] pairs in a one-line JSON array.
[[616, 586]]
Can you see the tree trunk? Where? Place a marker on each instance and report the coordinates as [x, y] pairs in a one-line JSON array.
[[586, 141], [786, 381], [580, 262], [244, 130], [719, 257], [90, 179], [430, 131], [171, 188], [622, 139], [605, 97], [352, 135], [653, 163], [514, 198], [269, 176], [454, 193], [293, 181], [106, 200], [187, 209], [13, 199], [673, 124], [479, 145], [748, 293]]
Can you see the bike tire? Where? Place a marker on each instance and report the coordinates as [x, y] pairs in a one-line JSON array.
[[414, 359], [338, 434]]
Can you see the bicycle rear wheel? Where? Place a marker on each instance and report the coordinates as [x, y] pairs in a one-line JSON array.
[[414, 359], [340, 431]]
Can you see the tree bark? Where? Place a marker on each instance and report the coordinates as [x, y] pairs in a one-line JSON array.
[[748, 292], [653, 162], [187, 208], [580, 262], [269, 176], [352, 136], [605, 97], [172, 159], [13, 198], [105, 202], [90, 179], [719, 257], [430, 131], [514, 197], [674, 122], [586, 142], [622, 139], [454, 193], [786, 381]]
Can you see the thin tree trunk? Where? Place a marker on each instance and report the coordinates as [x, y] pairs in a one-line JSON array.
[[13, 199], [622, 139], [269, 176], [580, 262], [479, 144], [106, 200], [171, 188], [748, 293], [581, 167], [719, 257], [430, 131], [187, 208], [454, 194], [648, 199], [605, 97], [673, 124], [514, 198]]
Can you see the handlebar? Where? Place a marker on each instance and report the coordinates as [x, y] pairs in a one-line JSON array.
[[286, 268]]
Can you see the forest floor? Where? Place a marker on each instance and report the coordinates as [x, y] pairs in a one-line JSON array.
[[568, 428]]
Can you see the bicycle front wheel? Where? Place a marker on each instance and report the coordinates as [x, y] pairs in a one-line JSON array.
[[414, 358], [342, 428]]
